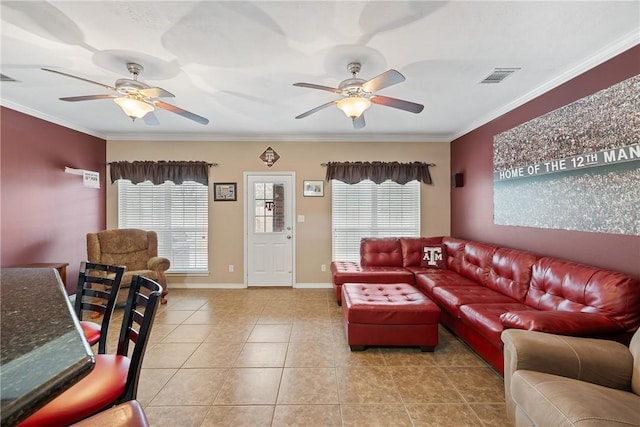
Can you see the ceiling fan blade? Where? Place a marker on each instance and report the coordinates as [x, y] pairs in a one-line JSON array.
[[320, 87], [313, 110], [397, 103], [80, 78], [386, 79], [151, 119], [87, 97], [156, 92], [180, 111], [358, 122]]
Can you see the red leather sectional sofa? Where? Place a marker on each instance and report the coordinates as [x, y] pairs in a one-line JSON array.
[[485, 289]]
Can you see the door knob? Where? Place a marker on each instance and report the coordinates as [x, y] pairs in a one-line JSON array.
[[288, 237]]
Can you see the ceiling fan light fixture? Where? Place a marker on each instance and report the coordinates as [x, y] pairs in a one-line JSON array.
[[133, 108], [354, 106]]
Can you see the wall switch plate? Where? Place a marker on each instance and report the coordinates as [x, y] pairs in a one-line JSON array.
[[230, 268], [300, 218], [323, 267]]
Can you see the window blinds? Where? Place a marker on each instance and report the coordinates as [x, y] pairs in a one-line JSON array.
[[367, 209], [178, 213]]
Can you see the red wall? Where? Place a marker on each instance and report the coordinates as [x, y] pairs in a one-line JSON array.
[[45, 212], [472, 205]]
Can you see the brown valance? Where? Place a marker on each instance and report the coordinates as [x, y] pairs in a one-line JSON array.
[[159, 172], [378, 172]]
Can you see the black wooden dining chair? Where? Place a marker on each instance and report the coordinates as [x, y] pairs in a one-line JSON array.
[[114, 378], [98, 286]]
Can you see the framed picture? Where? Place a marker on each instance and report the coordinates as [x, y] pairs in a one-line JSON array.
[[225, 192], [313, 189]]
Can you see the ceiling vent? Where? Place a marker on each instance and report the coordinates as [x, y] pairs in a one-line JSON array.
[[499, 74], [5, 78]]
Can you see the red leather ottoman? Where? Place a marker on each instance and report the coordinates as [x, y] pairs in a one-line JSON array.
[[389, 315]]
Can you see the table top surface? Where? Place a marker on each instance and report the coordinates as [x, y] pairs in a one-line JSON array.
[[42, 348]]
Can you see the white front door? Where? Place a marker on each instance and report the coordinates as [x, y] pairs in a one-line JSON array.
[[270, 227]]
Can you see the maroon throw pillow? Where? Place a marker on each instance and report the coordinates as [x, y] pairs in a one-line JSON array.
[[434, 256]]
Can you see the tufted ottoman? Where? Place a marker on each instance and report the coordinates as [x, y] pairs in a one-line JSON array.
[[389, 315]]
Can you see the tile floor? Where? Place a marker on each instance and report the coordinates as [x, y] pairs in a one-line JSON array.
[[279, 357]]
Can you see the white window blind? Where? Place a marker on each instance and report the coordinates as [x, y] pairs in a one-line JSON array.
[[367, 209], [178, 213]]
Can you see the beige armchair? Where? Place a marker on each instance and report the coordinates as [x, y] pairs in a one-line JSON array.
[[554, 380], [135, 249]]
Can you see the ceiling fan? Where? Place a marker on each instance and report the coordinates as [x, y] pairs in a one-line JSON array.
[[358, 94], [137, 99]]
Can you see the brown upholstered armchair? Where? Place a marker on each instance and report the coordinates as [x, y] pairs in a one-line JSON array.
[[135, 249]]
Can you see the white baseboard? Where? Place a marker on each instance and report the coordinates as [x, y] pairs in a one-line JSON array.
[[313, 286], [241, 286]]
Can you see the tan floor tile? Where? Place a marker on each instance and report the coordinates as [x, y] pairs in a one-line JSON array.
[[172, 317], [308, 386], [442, 415], [174, 416], [186, 303], [188, 333], [191, 387], [343, 356], [227, 331], [309, 354], [151, 382], [477, 385], [158, 332], [214, 355], [307, 415], [262, 355], [270, 333], [171, 355], [375, 416], [407, 356], [250, 386], [238, 416], [492, 415], [424, 385], [204, 317], [454, 353], [366, 385]]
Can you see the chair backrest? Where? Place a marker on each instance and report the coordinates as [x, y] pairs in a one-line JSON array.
[[140, 310], [98, 286], [124, 246], [634, 348]]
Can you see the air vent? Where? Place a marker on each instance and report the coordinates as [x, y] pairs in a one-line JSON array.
[[499, 74], [5, 78]]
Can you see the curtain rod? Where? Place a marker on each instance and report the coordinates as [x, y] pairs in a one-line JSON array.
[[209, 164], [428, 164]]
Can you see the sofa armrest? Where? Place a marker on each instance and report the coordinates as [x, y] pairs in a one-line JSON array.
[[607, 363], [561, 322], [159, 264]]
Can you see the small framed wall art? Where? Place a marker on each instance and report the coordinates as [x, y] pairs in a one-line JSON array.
[[225, 192], [313, 189]]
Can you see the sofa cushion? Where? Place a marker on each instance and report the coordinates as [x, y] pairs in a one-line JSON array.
[[558, 285], [550, 400], [510, 272], [562, 322], [351, 271], [485, 318], [431, 277], [385, 252], [434, 256], [412, 253], [455, 252], [452, 297], [476, 261]]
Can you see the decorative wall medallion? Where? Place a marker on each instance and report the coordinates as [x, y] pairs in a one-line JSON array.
[[269, 156]]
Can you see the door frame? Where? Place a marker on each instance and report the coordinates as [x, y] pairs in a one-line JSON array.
[[245, 180]]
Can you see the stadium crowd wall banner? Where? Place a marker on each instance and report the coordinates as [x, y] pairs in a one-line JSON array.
[[574, 168]]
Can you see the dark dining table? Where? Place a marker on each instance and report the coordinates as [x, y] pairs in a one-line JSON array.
[[43, 350]]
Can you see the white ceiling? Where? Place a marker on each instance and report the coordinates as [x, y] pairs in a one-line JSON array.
[[235, 62]]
